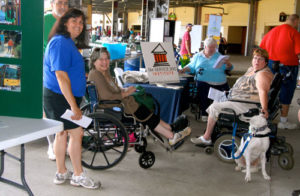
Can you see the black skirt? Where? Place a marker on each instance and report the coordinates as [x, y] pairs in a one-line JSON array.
[[55, 105]]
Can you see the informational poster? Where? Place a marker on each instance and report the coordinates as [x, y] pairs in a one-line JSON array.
[[21, 58], [10, 77], [10, 44], [160, 62], [214, 25], [10, 12]]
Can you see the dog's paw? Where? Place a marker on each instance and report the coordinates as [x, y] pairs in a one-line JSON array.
[[267, 177], [238, 168], [248, 178]]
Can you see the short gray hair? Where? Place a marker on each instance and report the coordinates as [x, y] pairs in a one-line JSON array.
[[209, 41]]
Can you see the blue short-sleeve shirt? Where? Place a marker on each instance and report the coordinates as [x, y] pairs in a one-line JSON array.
[[209, 74], [62, 55]]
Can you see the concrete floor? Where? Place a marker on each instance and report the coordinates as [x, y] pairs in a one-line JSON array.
[[187, 171]]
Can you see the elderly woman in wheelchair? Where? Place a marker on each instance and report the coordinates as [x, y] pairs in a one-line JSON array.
[[252, 87], [107, 89]]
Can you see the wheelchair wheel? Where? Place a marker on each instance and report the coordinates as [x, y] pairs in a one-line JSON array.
[[105, 143], [140, 148], [223, 148], [208, 150], [147, 159], [286, 161]]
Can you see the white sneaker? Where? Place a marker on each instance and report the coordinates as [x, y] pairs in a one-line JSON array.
[[61, 178], [84, 181], [180, 136], [204, 118], [50, 153], [286, 125], [200, 140]]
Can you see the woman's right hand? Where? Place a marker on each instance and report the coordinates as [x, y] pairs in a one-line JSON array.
[[77, 113]]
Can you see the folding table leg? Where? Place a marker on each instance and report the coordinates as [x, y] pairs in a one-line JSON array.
[[23, 170], [22, 186]]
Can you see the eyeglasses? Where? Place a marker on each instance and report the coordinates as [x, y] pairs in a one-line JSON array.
[[259, 58]]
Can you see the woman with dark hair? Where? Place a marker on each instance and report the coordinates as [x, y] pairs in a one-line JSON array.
[[64, 86], [108, 90]]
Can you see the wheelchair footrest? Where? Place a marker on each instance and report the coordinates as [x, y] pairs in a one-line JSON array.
[[177, 145], [204, 145]]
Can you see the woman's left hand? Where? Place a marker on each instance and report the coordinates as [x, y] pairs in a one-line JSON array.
[[228, 64], [265, 112], [77, 113]]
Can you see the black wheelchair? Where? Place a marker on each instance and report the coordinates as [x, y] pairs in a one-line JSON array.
[[222, 133], [105, 141]]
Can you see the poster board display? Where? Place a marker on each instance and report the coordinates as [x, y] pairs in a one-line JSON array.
[[160, 62], [196, 37], [214, 25], [22, 65]]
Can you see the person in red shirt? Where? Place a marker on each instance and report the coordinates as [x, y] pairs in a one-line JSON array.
[[283, 44], [185, 48]]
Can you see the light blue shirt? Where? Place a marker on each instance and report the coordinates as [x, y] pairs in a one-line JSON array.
[[214, 76]]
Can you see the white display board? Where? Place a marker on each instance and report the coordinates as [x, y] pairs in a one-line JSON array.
[[160, 62], [177, 32], [157, 30], [196, 37]]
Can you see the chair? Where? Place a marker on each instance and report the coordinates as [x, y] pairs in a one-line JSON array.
[[119, 73], [222, 134], [105, 141]]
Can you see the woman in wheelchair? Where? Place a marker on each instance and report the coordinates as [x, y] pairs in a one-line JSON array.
[[253, 86], [206, 76], [107, 89]]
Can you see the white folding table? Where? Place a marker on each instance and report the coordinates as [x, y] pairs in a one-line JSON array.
[[18, 131]]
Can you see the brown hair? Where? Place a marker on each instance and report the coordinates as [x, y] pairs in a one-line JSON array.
[[96, 55], [59, 27], [261, 52]]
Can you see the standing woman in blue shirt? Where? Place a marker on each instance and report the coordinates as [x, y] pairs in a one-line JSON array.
[[206, 75], [64, 86]]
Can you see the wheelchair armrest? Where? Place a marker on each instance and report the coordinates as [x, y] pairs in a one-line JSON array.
[[110, 102], [251, 112], [228, 110], [244, 101]]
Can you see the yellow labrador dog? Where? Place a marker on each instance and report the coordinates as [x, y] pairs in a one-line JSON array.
[[256, 150]]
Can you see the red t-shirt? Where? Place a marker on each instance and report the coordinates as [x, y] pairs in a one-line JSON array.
[[282, 44], [185, 38]]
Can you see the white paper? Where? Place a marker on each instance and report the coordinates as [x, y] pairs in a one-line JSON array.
[[220, 61], [83, 122], [216, 95]]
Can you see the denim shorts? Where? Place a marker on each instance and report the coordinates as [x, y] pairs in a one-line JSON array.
[[288, 85]]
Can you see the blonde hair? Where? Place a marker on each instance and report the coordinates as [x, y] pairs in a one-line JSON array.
[[261, 52]]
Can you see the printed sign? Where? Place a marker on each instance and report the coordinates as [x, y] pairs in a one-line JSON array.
[[160, 62]]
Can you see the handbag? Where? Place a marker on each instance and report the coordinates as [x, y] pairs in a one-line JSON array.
[[144, 98]]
